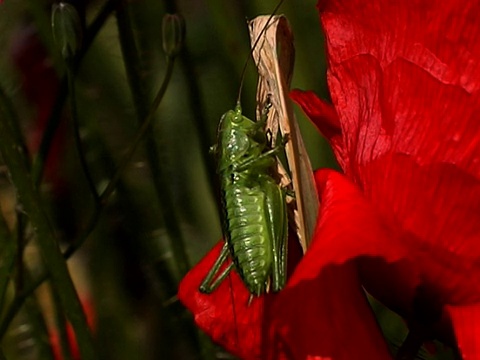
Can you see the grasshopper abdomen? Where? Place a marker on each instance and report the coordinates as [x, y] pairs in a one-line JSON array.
[[247, 235]]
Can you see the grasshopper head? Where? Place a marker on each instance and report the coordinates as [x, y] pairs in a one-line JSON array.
[[237, 139]]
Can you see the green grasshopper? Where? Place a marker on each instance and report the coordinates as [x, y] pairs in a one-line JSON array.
[[254, 205]]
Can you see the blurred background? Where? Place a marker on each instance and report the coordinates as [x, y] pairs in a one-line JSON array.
[[163, 216]]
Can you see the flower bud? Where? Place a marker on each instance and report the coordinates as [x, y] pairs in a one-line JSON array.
[[173, 34], [67, 29]]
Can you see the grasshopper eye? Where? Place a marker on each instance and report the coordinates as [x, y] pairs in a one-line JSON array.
[[237, 114], [237, 118]]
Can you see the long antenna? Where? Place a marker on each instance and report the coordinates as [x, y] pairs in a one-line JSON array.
[[253, 48]]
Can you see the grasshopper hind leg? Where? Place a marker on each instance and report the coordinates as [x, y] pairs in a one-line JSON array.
[[213, 278], [280, 265], [277, 216]]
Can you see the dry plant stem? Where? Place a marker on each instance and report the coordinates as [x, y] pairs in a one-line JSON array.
[[103, 200], [275, 73], [54, 261]]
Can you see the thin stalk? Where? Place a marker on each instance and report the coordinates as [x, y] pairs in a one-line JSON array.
[[51, 253], [76, 135], [8, 250], [20, 237], [54, 120], [60, 324], [37, 329], [96, 26], [146, 124], [14, 309], [201, 123], [132, 66], [49, 133], [103, 200], [12, 120], [7, 107]]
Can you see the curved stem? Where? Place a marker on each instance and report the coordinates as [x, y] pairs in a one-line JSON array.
[[60, 324], [103, 199], [76, 135], [54, 261], [160, 183], [201, 123], [54, 120]]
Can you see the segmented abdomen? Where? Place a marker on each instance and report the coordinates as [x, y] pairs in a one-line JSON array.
[[248, 234]]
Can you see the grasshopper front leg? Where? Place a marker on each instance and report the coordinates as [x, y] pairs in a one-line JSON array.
[[265, 157]]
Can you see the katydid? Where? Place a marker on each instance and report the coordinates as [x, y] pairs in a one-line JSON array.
[[253, 202]]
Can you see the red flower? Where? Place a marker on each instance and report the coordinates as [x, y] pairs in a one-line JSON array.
[[322, 313], [404, 79]]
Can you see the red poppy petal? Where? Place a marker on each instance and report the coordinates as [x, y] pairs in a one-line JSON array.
[[323, 301], [407, 96], [321, 113], [436, 211], [323, 310], [466, 323], [327, 318], [225, 315], [324, 117], [406, 84], [348, 226]]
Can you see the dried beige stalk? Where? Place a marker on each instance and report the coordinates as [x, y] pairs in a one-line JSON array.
[[274, 57]]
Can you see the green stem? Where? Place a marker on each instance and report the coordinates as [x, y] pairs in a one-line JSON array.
[[60, 324], [55, 116], [14, 309], [11, 117], [37, 328], [76, 135], [104, 197], [201, 123], [47, 242], [49, 133], [95, 27], [8, 249], [132, 66], [20, 230]]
